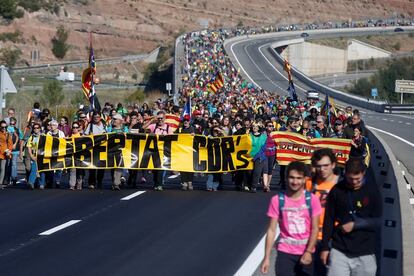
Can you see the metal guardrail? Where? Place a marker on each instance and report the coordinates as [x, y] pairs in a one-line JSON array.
[[399, 108]]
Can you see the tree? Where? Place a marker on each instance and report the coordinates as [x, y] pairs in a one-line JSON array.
[[8, 9], [78, 98], [52, 93], [9, 57], [59, 46]]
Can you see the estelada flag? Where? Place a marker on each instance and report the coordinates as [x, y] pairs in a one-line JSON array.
[[173, 121], [211, 87], [219, 82], [292, 146]]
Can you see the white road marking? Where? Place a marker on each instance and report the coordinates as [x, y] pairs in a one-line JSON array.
[[253, 261], [384, 119], [59, 227], [412, 201], [402, 116], [392, 121], [408, 187], [408, 124], [400, 122], [393, 135], [133, 195]]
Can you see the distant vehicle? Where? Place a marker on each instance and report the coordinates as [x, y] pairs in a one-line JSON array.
[[304, 34], [66, 76], [398, 30], [312, 94]]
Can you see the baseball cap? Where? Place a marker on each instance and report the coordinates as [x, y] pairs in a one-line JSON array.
[[117, 116]]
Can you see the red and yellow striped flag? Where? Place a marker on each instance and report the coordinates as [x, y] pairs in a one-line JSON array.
[[296, 147], [173, 121]]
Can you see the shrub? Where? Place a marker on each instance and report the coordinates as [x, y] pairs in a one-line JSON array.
[[59, 46]]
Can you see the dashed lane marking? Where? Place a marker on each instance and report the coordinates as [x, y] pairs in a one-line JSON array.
[[59, 227], [133, 195]]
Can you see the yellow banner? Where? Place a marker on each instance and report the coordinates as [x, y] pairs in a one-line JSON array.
[[176, 152]]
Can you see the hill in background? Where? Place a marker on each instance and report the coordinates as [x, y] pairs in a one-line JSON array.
[[137, 26]]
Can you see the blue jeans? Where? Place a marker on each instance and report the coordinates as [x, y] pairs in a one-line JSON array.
[[33, 175]]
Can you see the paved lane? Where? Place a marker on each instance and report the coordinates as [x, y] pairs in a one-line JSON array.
[[169, 233]]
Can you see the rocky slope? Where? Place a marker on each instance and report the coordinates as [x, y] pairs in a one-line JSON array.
[[122, 27]]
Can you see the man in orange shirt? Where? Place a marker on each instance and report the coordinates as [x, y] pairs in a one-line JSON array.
[[6, 146], [324, 163]]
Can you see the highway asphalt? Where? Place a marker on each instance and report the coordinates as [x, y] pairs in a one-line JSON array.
[[156, 233], [260, 66]]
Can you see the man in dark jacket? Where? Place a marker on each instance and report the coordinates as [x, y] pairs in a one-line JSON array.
[[352, 220]]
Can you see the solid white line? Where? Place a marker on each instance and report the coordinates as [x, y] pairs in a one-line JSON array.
[[408, 187], [412, 201], [393, 135], [133, 195], [231, 49], [59, 227], [253, 261]]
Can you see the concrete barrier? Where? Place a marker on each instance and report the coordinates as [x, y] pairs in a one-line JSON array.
[[397, 227]]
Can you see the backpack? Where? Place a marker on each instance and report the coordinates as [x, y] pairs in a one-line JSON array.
[[307, 200]]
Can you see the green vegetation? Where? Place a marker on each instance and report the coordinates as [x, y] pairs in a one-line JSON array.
[[137, 96], [52, 93], [384, 80], [9, 56], [8, 10], [13, 37], [59, 46]]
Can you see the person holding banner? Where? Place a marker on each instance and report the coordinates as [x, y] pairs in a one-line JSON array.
[[160, 128], [32, 150], [96, 126], [186, 177], [117, 127], [76, 175], [55, 176], [258, 152]]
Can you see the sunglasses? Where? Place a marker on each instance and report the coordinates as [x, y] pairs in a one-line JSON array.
[[36, 128], [270, 126], [75, 126], [160, 118], [319, 122]]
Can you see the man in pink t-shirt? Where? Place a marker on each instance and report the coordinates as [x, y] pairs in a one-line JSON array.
[[297, 213]]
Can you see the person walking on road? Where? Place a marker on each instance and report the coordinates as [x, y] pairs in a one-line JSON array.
[[297, 212], [351, 224]]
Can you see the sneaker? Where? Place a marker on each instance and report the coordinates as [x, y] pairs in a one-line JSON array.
[[143, 180], [184, 188], [246, 188], [158, 188], [72, 188], [91, 187], [41, 187], [115, 188], [253, 190], [190, 187], [123, 180]]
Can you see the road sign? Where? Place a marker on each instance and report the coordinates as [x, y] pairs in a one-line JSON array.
[[168, 87], [374, 92], [404, 86]]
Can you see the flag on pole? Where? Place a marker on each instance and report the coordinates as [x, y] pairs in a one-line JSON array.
[[89, 80], [292, 91], [187, 110], [288, 70]]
